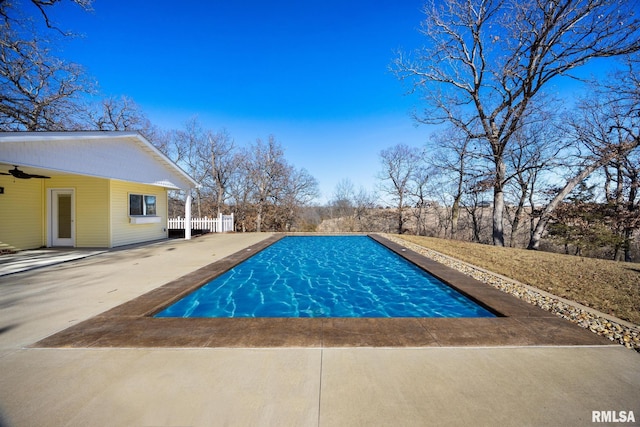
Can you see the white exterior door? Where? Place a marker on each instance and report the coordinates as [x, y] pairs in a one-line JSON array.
[[62, 218]]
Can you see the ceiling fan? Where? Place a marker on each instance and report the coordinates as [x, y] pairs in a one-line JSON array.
[[17, 173]]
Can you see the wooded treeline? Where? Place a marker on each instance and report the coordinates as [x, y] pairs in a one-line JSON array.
[[255, 182], [570, 175]]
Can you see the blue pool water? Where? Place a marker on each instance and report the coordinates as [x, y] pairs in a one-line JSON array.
[[325, 276]]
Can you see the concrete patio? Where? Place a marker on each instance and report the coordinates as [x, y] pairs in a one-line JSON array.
[[299, 386], [38, 258]]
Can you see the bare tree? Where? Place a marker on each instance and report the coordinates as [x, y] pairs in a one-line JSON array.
[[222, 165], [342, 201], [42, 7], [351, 208], [191, 149], [632, 203], [342, 204], [267, 170], [419, 192], [300, 188], [607, 130], [363, 204], [399, 163], [485, 61], [116, 114], [241, 188], [536, 148], [207, 156], [265, 191], [39, 91], [475, 204], [452, 154]]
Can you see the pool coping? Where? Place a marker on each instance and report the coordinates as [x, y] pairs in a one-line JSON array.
[[130, 324]]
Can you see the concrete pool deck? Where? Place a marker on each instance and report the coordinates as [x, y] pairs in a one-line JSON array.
[[298, 386]]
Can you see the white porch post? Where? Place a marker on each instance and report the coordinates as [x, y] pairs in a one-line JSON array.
[[187, 216]]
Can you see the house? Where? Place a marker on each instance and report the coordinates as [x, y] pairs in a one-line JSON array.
[[85, 189]]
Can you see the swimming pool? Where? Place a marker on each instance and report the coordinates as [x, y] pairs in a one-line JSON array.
[[325, 276]]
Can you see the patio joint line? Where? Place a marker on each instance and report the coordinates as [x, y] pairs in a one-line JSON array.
[[320, 385]]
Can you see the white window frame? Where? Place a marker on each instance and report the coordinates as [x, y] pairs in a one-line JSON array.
[[145, 218]]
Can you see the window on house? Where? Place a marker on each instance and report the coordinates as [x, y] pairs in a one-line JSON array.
[[142, 205], [149, 205]]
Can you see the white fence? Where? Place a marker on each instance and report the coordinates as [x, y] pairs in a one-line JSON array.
[[221, 224]]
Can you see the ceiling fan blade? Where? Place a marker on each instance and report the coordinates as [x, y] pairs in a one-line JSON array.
[[17, 173]]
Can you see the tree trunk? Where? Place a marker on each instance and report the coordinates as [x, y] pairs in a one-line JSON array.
[[219, 199], [476, 226], [498, 203], [632, 207], [532, 220], [419, 219], [259, 218], [455, 215], [514, 229], [545, 216], [617, 253], [455, 208], [515, 225], [199, 203], [628, 233]]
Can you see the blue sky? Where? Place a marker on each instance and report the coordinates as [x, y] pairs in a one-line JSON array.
[[314, 74]]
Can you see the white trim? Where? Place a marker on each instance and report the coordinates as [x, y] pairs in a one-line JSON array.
[[53, 241], [144, 204], [145, 219], [187, 216], [82, 153]]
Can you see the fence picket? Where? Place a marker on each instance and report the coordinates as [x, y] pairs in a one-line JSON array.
[[221, 224]]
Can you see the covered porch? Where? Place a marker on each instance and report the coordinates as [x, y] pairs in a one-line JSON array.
[[85, 190]]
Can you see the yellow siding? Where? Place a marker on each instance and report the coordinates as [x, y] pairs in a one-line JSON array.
[[101, 212], [21, 213], [125, 233], [91, 208]]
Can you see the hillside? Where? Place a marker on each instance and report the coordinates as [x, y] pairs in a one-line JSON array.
[[607, 286]]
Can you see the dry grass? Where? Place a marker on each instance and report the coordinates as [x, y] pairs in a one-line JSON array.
[[608, 286]]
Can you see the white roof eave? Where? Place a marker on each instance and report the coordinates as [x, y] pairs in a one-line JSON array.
[[125, 156]]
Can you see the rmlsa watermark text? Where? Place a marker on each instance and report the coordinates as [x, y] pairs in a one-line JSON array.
[[613, 417]]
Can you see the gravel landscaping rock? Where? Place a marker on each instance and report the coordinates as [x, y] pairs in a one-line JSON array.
[[616, 330]]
